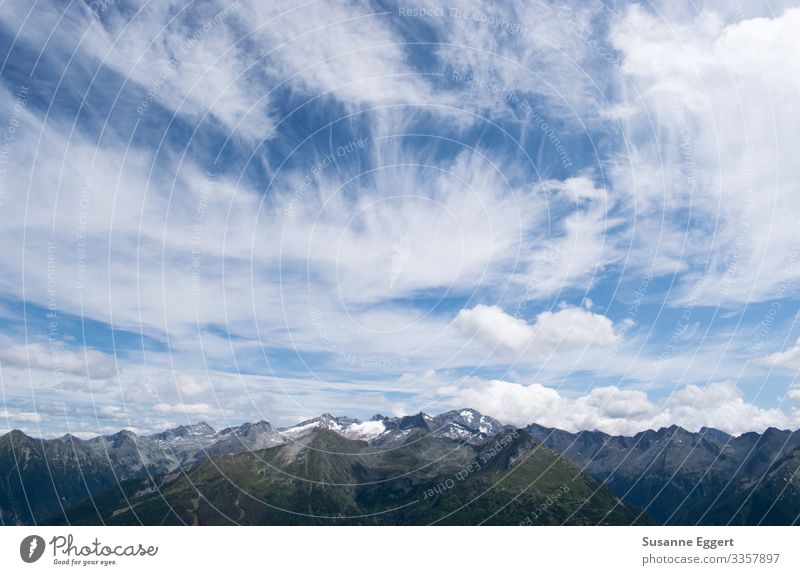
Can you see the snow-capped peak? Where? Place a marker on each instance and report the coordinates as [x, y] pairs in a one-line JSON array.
[[365, 430]]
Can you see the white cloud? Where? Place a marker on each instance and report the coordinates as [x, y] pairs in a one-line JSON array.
[[573, 327], [466, 230], [567, 328], [191, 411], [544, 50], [346, 49], [467, 225], [192, 386], [707, 104], [582, 243], [461, 225], [87, 362], [20, 416], [615, 410], [112, 412], [471, 225], [187, 60], [495, 327], [788, 358]]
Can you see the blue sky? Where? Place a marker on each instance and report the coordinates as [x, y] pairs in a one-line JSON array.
[[556, 212]]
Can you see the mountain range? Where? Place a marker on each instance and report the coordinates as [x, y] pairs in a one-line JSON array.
[[459, 467], [684, 478]]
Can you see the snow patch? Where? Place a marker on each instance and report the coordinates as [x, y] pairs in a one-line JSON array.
[[366, 429], [296, 430]]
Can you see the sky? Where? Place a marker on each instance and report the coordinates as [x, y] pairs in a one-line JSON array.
[[578, 214]]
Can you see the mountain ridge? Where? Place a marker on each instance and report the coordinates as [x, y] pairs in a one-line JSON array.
[[185, 430], [671, 474], [329, 479]]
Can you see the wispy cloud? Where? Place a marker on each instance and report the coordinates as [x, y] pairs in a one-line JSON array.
[[707, 100]]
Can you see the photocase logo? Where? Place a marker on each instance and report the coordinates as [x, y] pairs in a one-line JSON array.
[[31, 549]]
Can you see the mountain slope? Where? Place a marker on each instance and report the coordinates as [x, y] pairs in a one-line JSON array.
[[419, 468], [771, 498], [330, 479], [40, 477], [684, 478]]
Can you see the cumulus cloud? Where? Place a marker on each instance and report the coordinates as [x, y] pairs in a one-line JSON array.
[[567, 328], [788, 358], [620, 411], [495, 327], [574, 327]]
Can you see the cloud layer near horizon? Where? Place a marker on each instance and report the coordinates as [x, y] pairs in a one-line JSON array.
[[626, 411]]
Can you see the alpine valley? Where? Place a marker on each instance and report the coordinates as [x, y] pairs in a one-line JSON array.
[[459, 467]]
